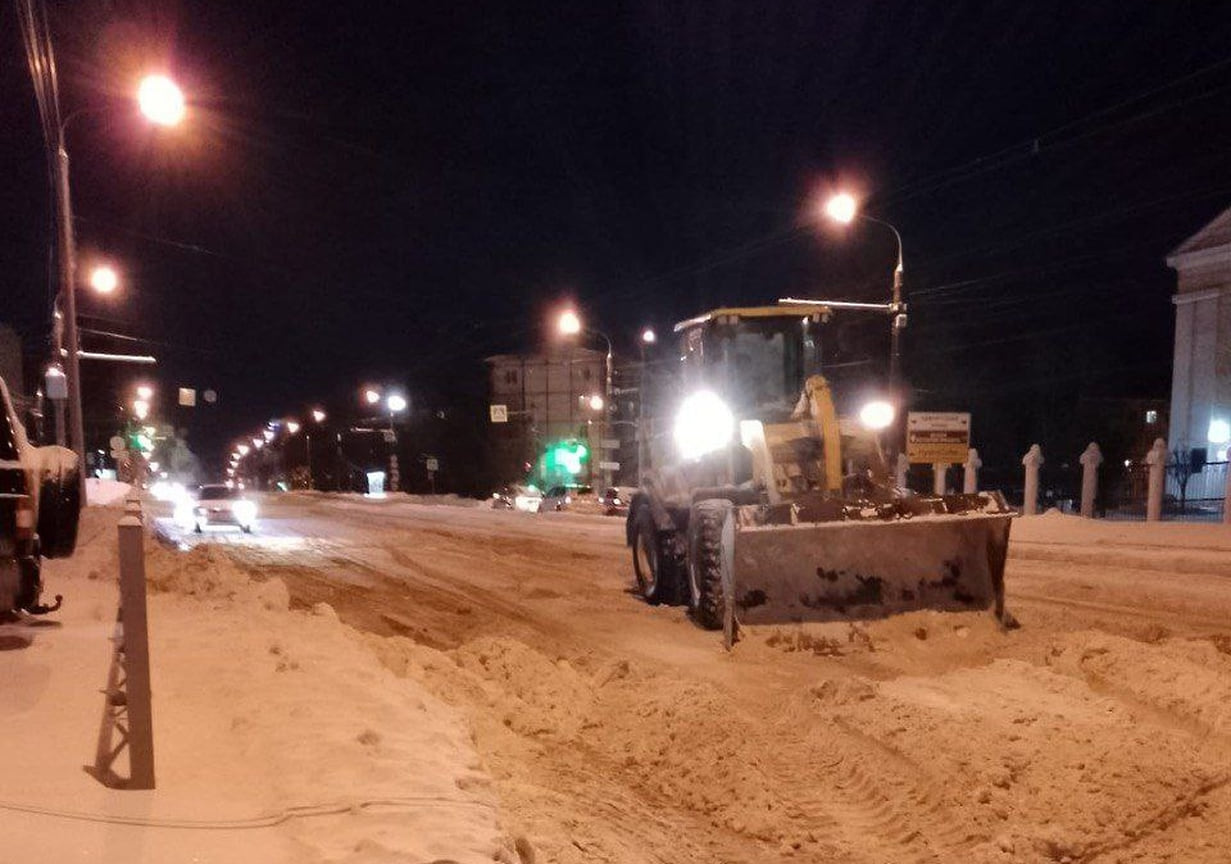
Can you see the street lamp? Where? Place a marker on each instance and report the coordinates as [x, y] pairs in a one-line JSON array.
[[570, 324], [292, 427], [318, 416], [158, 97], [258, 443], [161, 101], [371, 396], [145, 391], [395, 403], [596, 402], [104, 279], [648, 339], [141, 408], [844, 209]]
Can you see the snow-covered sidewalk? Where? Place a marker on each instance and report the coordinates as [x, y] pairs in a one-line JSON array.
[[279, 735]]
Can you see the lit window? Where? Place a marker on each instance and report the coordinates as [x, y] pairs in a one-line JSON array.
[[1151, 417]]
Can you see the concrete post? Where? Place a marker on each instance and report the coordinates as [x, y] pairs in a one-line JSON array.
[[1032, 460], [128, 715], [1226, 499], [900, 469], [1157, 460], [1091, 458], [939, 470], [970, 473]]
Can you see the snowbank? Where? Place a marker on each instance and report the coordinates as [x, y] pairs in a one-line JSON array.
[[279, 736], [101, 493]]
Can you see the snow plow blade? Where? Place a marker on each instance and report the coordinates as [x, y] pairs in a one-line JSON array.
[[846, 570]]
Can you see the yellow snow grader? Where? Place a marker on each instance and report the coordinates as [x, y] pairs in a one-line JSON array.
[[763, 505]]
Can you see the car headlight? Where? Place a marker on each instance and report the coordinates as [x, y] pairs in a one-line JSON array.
[[703, 424], [877, 414], [245, 511], [183, 513]]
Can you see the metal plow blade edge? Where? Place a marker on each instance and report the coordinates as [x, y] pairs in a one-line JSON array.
[[853, 570]]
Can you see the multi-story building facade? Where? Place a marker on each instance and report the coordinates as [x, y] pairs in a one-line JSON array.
[[1201, 375]]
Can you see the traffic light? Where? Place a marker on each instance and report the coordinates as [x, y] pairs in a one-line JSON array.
[[567, 457]]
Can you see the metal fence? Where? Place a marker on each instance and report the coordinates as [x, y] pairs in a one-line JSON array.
[[1122, 488], [1201, 498]]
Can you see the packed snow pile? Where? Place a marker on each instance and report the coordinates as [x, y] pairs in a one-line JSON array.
[[103, 493], [279, 735]]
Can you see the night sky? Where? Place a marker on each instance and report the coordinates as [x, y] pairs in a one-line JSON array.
[[392, 191]]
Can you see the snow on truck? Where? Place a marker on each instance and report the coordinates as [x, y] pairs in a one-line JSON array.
[[765, 506], [40, 502]]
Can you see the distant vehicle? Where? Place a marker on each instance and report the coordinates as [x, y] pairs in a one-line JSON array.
[[517, 497], [40, 503], [563, 497], [216, 505], [615, 501]]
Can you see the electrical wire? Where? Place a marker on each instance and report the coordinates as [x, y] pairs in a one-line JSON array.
[[265, 820]]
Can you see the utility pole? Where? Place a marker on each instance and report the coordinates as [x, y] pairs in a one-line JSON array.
[[68, 293]]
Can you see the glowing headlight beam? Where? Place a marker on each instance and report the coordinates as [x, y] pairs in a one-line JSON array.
[[703, 424]]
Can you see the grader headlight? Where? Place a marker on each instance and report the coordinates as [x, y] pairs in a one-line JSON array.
[[703, 424]]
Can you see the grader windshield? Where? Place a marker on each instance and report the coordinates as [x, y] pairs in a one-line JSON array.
[[757, 363]]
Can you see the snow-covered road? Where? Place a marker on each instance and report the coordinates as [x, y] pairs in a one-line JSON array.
[[1099, 731]]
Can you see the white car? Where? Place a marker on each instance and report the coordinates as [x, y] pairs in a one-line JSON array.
[[216, 505]]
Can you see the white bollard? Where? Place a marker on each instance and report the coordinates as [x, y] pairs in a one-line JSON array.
[[939, 470], [1090, 460], [970, 472], [900, 470], [1157, 460], [1032, 460]]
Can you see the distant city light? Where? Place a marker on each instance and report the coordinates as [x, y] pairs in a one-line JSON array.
[[569, 323], [242, 449], [371, 396], [104, 279], [318, 415], [269, 434], [141, 408], [841, 208], [596, 402], [292, 426], [258, 443], [648, 336], [161, 100], [145, 391]]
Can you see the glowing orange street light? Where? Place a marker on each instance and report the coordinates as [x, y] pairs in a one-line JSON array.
[[104, 279], [569, 323], [161, 101], [842, 208], [318, 415]]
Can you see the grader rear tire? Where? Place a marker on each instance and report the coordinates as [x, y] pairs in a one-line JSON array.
[[710, 532]]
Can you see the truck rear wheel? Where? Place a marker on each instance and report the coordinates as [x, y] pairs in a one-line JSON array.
[[711, 539], [654, 573]]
